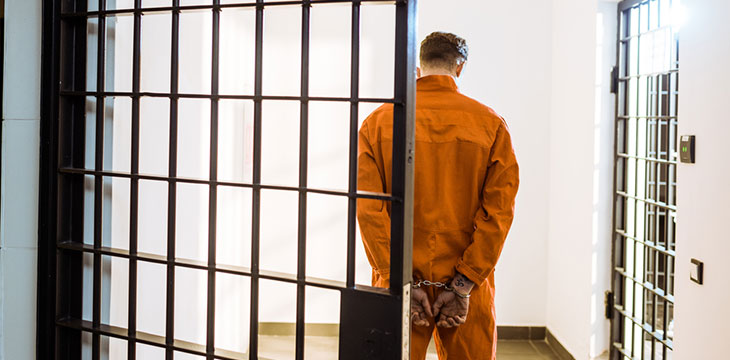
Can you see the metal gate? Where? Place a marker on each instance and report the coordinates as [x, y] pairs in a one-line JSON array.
[[78, 181], [646, 79]]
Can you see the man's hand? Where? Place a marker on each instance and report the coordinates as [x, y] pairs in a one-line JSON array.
[[420, 307], [453, 308]]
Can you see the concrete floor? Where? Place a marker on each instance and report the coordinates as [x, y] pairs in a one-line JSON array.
[[325, 348]]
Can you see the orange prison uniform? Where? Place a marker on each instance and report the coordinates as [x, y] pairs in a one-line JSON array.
[[466, 179]]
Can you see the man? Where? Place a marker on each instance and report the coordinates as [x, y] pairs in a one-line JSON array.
[[466, 179]]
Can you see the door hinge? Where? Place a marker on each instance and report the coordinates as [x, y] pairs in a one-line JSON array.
[[608, 301], [614, 80]]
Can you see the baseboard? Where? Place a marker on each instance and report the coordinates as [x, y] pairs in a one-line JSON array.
[[503, 333], [559, 349], [521, 332]]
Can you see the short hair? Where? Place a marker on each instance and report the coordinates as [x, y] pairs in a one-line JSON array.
[[442, 49]]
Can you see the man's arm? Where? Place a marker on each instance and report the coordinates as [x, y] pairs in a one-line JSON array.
[[372, 214], [494, 217]]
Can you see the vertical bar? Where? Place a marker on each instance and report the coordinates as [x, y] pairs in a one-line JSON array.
[[172, 184], [98, 182], [636, 184], [134, 184], [615, 326], [354, 109], [256, 191], [213, 189], [51, 282], [303, 153], [401, 224], [401, 245]]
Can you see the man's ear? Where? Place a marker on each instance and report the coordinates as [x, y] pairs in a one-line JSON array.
[[459, 68], [418, 71]]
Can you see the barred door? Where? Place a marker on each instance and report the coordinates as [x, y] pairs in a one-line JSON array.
[[137, 219], [642, 323]]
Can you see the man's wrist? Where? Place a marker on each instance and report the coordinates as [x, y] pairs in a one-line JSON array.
[[462, 284]]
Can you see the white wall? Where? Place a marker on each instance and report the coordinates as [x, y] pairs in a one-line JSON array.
[[581, 167], [19, 187], [509, 70], [702, 313]]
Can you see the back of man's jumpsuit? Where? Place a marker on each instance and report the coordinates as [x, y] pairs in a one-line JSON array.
[[466, 179]]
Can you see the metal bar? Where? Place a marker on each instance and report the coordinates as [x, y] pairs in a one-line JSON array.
[[146, 338], [51, 282], [172, 185], [644, 326], [615, 328], [354, 110], [213, 189], [82, 14], [673, 119], [203, 265], [640, 75], [303, 153], [636, 186], [650, 159], [256, 193], [628, 4], [98, 182], [359, 194], [229, 96], [401, 224], [655, 30], [647, 201], [134, 186], [649, 244]]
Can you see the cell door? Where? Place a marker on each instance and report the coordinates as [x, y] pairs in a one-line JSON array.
[[642, 312], [189, 151]]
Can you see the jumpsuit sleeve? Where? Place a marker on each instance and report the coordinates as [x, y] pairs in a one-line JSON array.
[[494, 217], [373, 214]]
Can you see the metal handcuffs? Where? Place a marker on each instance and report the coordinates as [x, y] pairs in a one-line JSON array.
[[438, 284]]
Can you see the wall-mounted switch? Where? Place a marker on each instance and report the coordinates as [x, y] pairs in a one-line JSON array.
[[695, 272], [687, 149]]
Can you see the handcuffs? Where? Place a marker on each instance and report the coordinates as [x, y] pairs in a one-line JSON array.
[[438, 284]]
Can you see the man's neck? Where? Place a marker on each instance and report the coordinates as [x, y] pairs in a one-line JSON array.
[[429, 72]]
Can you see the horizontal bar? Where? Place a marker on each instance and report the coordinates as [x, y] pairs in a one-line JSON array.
[[664, 27], [623, 351], [666, 117], [645, 326], [627, 4], [647, 201], [650, 159], [147, 338], [117, 174], [227, 97], [649, 244], [657, 73], [650, 286], [202, 265], [212, 7]]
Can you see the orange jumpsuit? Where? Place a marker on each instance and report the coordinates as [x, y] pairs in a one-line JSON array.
[[466, 179]]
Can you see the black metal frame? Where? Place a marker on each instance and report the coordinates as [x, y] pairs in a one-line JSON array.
[[653, 194], [61, 246]]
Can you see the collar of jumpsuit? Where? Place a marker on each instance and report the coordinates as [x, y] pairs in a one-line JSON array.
[[437, 83]]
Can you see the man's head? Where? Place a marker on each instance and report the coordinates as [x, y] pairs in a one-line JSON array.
[[443, 54]]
